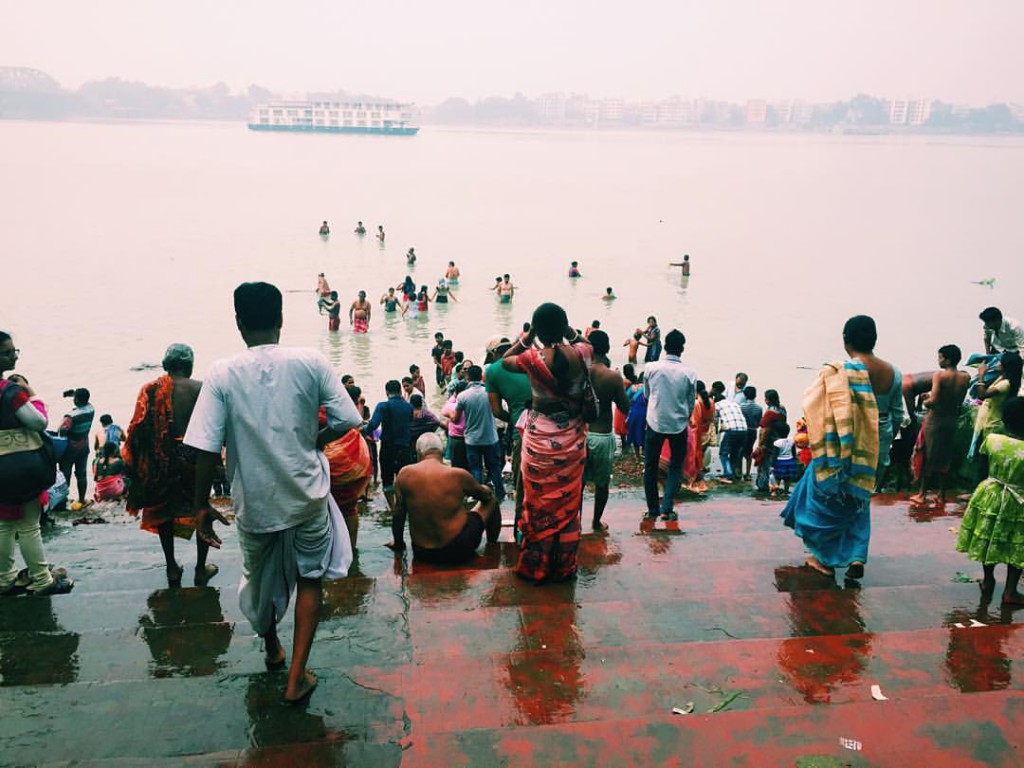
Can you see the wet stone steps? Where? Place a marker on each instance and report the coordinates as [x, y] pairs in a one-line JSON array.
[[471, 666]]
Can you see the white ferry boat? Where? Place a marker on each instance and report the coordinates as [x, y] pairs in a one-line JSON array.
[[387, 119]]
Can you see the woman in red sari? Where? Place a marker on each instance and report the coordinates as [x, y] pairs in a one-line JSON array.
[[554, 444]]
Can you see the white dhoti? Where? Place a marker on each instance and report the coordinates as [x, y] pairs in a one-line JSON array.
[[273, 562]]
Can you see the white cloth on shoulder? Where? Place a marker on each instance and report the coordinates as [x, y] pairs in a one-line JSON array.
[[273, 562]]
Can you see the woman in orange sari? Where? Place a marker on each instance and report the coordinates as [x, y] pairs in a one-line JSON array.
[[554, 444], [701, 421], [162, 468], [351, 468]]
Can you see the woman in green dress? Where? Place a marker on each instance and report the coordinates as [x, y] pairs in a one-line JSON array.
[[992, 532]]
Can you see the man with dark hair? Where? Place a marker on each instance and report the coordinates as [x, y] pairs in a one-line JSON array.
[[394, 417], [608, 388], [1002, 334], [109, 432], [435, 355], [263, 403], [736, 395], [510, 394], [934, 448], [481, 433], [671, 388], [752, 412], [76, 427]]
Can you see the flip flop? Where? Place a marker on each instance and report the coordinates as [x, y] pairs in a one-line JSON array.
[[304, 698]]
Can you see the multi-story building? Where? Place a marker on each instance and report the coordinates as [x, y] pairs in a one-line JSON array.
[[918, 111], [898, 111]]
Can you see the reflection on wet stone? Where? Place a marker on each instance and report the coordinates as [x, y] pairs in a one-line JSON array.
[[185, 631], [47, 655]]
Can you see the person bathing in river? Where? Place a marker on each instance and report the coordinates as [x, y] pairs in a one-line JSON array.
[[391, 302], [442, 293], [452, 273], [633, 343], [410, 257], [380, 233], [360, 229], [333, 308], [506, 290], [324, 230], [574, 269], [359, 314]]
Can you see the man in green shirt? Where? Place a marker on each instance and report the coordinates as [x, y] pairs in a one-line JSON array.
[[510, 394]]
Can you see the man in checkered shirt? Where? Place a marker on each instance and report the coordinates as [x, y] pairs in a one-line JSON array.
[[732, 435]]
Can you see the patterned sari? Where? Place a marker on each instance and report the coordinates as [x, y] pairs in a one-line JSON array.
[[554, 451], [162, 467], [351, 468]]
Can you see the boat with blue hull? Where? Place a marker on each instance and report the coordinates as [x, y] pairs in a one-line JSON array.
[[375, 118]]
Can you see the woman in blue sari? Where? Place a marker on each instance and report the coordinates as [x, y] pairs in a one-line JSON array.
[[830, 509]]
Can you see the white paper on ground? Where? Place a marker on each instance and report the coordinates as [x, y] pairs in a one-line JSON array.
[[876, 693]]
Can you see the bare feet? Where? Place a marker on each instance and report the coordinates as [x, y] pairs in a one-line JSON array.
[[1013, 598], [600, 527], [855, 571], [203, 576], [304, 690], [275, 662], [814, 564], [918, 500]]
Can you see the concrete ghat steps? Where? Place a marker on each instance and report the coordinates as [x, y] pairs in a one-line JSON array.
[[427, 666]]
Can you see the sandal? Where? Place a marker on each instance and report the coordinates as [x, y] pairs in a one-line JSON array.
[[61, 585]]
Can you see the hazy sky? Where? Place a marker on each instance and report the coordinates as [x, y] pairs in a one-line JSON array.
[[427, 51]]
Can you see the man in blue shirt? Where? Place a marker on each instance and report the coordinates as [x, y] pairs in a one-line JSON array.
[[394, 417], [481, 434]]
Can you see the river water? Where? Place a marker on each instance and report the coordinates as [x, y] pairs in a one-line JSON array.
[[118, 239]]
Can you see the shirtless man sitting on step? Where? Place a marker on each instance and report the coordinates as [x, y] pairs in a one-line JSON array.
[[432, 495]]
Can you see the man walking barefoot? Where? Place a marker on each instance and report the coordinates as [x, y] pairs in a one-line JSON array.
[[262, 403], [609, 388]]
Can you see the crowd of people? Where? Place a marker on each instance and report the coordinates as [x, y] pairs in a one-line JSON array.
[[551, 403]]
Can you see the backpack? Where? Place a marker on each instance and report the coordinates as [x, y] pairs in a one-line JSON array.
[[28, 464]]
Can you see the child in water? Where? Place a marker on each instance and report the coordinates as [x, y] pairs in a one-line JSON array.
[[574, 269]]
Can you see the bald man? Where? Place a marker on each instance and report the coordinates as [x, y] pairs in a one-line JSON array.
[[433, 495]]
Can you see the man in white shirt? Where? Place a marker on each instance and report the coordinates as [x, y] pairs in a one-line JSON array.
[[1002, 334], [670, 387], [736, 395], [262, 403]]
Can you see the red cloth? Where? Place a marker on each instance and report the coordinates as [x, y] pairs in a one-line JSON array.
[[552, 466], [163, 468]]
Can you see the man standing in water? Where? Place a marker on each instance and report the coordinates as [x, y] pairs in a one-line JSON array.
[[359, 314], [671, 388], [263, 403], [609, 388], [506, 290]]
